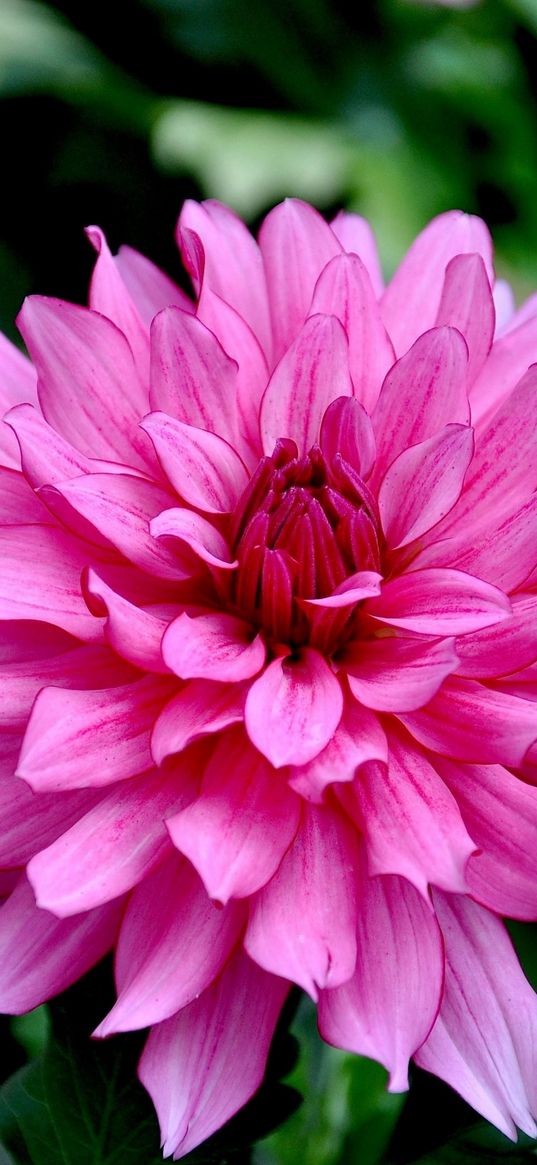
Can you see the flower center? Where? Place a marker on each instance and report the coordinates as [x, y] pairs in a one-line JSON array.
[[301, 527]]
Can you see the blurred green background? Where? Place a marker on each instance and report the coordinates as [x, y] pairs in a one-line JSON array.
[[113, 113]]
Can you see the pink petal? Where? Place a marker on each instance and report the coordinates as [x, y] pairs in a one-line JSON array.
[[302, 924], [46, 456], [483, 1042], [201, 708], [41, 955], [18, 501], [358, 738], [219, 251], [121, 508], [25, 640], [202, 1065], [77, 739], [296, 243], [18, 382], [439, 602], [238, 830], [472, 723], [411, 300], [509, 359], [109, 296], [386, 1010], [213, 647], [312, 373], [294, 708], [50, 564], [504, 304], [82, 668], [357, 238], [111, 848], [398, 675], [423, 483], [30, 823], [346, 429], [363, 585], [202, 467], [411, 821], [152, 982], [196, 533], [500, 813], [467, 304], [89, 388], [502, 649], [344, 290], [151, 289], [503, 553], [238, 340], [424, 391], [135, 634], [192, 379]]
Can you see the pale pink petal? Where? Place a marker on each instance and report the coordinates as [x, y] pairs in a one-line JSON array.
[[386, 1010], [467, 304], [504, 305], [77, 739], [135, 634], [112, 847], [470, 722], [511, 356], [201, 708], [213, 647], [51, 564], [82, 668], [483, 1042], [411, 300], [109, 296], [423, 483], [357, 238], [18, 503], [294, 708], [439, 602], [219, 251], [121, 508], [192, 531], [410, 820], [344, 290], [152, 982], [505, 648], [296, 243], [240, 344], [346, 429], [302, 924], [18, 383], [151, 289], [192, 379], [189, 1064], [41, 955], [398, 675], [89, 388], [500, 812], [203, 468], [424, 391], [239, 828], [311, 374], [359, 737]]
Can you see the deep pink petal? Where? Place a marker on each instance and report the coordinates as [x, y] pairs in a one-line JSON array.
[[423, 484], [472, 723], [239, 828], [152, 982], [77, 739], [483, 1042], [424, 391], [344, 290], [439, 602], [50, 563], [411, 300], [41, 955], [363, 585], [504, 648], [203, 468], [294, 708], [467, 304], [201, 708], [18, 501], [202, 1065], [346, 429], [213, 647], [311, 374], [386, 1010], [302, 924], [296, 243], [356, 237], [398, 675]]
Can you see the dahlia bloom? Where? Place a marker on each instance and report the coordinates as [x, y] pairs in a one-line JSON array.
[[268, 582]]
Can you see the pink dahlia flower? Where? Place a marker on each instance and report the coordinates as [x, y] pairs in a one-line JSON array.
[[269, 583]]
